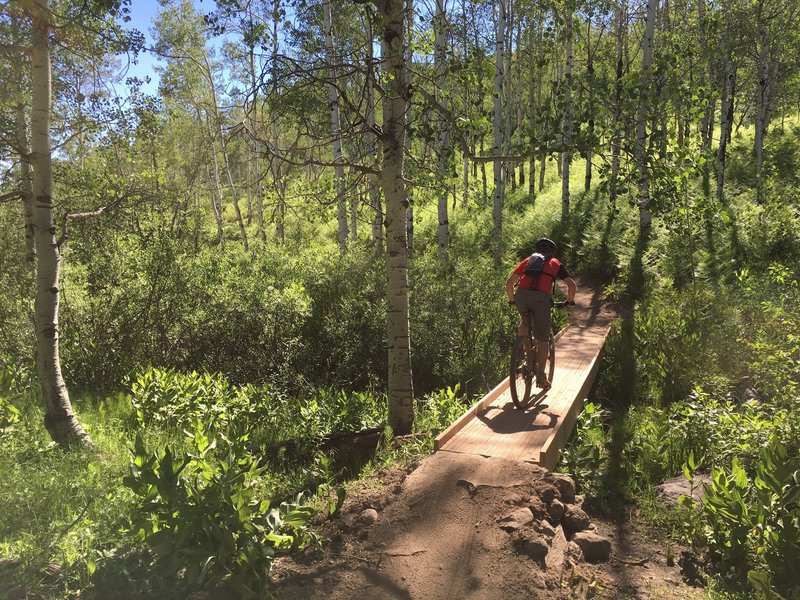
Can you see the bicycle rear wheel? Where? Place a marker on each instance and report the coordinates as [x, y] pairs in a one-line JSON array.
[[520, 374]]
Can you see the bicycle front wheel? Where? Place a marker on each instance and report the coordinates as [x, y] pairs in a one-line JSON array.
[[520, 374]]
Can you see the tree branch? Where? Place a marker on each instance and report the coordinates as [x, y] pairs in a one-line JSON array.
[[11, 196]]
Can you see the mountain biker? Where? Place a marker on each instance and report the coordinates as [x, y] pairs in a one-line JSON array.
[[534, 294]]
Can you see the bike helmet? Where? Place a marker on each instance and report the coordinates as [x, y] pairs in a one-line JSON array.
[[545, 245]]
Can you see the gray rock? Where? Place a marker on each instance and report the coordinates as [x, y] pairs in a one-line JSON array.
[[565, 485], [368, 516], [673, 488], [575, 519], [546, 529], [531, 545], [549, 494], [516, 520], [595, 547], [555, 512]]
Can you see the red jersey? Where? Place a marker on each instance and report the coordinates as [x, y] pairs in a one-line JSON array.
[[544, 281]]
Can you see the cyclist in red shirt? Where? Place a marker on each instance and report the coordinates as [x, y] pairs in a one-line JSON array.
[[534, 294]]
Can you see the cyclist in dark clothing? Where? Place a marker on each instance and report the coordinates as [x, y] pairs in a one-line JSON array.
[[534, 294]]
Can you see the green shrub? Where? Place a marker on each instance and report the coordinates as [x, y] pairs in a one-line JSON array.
[[754, 521], [203, 511], [585, 457], [9, 413], [173, 401]]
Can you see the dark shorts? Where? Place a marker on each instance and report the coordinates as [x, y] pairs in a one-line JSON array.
[[539, 304]]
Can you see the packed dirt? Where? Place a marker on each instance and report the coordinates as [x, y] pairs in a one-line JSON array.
[[465, 526], [462, 526]]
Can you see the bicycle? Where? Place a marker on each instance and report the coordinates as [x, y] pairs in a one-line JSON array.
[[524, 368]]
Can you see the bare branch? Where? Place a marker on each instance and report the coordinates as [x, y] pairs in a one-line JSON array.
[[11, 196]]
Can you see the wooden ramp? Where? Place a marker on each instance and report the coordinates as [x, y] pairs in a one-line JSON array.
[[493, 427]]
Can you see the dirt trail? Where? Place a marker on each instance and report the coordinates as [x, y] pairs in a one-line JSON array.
[[463, 526]]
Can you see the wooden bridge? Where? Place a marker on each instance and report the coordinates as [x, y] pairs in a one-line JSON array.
[[493, 427]]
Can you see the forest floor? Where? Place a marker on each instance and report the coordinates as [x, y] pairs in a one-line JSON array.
[[462, 526]]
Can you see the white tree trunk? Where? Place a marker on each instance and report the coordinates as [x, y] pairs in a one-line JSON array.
[[499, 121], [409, 27], [276, 164], [26, 183], [372, 180], [725, 118], [566, 124], [60, 420], [442, 145], [640, 153], [395, 107], [336, 130], [256, 188]]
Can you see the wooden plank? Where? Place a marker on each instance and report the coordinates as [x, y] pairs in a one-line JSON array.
[[558, 439], [477, 408], [464, 419], [493, 428]]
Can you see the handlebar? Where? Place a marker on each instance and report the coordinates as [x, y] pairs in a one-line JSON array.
[[561, 304]]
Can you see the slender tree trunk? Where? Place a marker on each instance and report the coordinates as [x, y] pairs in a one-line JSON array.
[[707, 119], [767, 74], [234, 193], [499, 122], [59, 419], [566, 153], [276, 164], [542, 166], [395, 107], [336, 131], [484, 178], [587, 178], [726, 118], [616, 114], [508, 113], [645, 98], [442, 146], [257, 189], [26, 183], [372, 181], [409, 25], [216, 205], [219, 208]]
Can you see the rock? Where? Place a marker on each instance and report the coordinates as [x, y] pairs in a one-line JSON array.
[[368, 516], [565, 485], [514, 499], [555, 512], [549, 494], [531, 545], [546, 529], [538, 508], [575, 519], [516, 520], [673, 488], [595, 547]]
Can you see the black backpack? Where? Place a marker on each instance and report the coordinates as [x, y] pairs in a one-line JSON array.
[[535, 264]]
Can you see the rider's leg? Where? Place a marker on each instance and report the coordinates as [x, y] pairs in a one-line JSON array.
[[542, 349]]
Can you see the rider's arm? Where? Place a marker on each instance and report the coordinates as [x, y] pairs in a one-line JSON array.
[[571, 288], [512, 280]]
